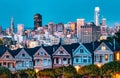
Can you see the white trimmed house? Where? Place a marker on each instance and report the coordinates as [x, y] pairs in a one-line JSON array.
[[23, 60], [103, 54], [82, 56], [42, 59], [61, 57], [8, 60]]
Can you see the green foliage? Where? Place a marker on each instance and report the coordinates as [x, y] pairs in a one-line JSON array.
[[110, 68], [1, 42], [27, 73], [89, 70], [46, 73], [69, 71], [5, 72]]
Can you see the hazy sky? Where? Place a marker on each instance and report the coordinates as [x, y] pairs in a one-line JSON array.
[[57, 11]]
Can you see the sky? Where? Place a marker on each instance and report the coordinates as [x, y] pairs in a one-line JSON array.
[[57, 11]]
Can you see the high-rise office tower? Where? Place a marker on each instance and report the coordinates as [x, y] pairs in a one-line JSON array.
[[97, 14], [20, 28], [80, 22], [12, 25], [51, 28], [37, 21], [104, 21], [60, 27], [89, 33], [103, 29]]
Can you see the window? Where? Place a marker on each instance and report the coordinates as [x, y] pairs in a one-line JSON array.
[[61, 52], [64, 59], [4, 63], [103, 47], [7, 56], [69, 61], [84, 60], [37, 62], [81, 50], [41, 53], [45, 62], [117, 56], [95, 58], [89, 59], [100, 58], [23, 55], [106, 57], [8, 65], [0, 64], [57, 60], [77, 60]]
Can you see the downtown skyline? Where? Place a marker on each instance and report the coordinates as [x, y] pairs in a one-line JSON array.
[[56, 11]]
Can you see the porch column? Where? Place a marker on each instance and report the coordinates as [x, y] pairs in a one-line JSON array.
[[60, 60], [54, 60]]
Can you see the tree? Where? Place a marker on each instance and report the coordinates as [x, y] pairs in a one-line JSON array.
[[27, 73], [110, 69], [31, 73], [5, 72], [22, 74], [58, 71], [70, 72], [89, 70], [1, 42], [47, 73]]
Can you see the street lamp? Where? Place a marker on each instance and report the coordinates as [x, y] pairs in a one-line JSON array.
[[77, 68], [36, 70], [99, 65]]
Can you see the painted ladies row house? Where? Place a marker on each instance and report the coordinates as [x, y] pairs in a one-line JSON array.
[[43, 57]]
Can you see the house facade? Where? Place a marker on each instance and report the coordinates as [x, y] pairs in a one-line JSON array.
[[82, 56], [7, 60], [61, 57], [42, 59], [103, 54], [23, 60]]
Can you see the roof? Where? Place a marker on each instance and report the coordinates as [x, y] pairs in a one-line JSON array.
[[32, 51]]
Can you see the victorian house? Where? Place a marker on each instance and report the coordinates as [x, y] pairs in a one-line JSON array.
[[62, 56], [42, 58], [103, 53], [7, 58], [23, 60], [82, 55]]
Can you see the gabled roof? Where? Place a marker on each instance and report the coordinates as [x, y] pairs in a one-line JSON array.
[[68, 48], [75, 45], [15, 52], [89, 47], [2, 50], [32, 51], [48, 49]]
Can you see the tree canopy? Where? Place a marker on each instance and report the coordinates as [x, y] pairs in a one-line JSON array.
[[5, 72], [110, 68], [89, 70]]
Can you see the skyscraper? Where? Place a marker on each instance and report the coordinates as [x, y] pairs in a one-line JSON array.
[[97, 11], [12, 25], [20, 28], [89, 33], [104, 21], [37, 21], [103, 29], [80, 22]]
